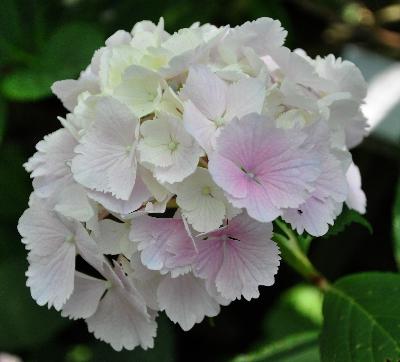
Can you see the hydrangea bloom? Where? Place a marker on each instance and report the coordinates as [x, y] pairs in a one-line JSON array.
[[225, 125]]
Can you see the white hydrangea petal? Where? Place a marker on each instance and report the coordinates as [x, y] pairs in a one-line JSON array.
[[139, 195], [68, 90], [314, 216], [206, 90], [140, 89], [145, 280], [105, 159], [182, 149], [50, 165], [356, 198], [153, 147], [202, 129], [344, 75], [73, 202], [244, 97], [42, 230], [85, 299], [263, 35], [159, 192], [112, 236], [112, 64], [122, 321], [201, 201], [51, 278], [186, 300]]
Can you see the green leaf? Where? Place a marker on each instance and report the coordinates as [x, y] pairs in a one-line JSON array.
[[70, 49], [346, 218], [27, 85], [301, 347], [66, 53], [23, 323], [362, 319], [298, 309], [396, 226]]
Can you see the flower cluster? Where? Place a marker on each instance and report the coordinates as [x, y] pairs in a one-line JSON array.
[[222, 130]]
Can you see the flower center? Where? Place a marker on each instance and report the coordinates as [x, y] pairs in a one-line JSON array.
[[219, 122], [206, 190], [69, 239], [172, 146]]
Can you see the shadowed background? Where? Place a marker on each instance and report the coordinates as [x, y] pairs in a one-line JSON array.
[[44, 41]]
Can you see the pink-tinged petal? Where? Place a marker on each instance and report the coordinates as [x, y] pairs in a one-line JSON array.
[[267, 163], [138, 196], [229, 176], [105, 159], [186, 300], [356, 198], [314, 216], [257, 203], [238, 258], [206, 90], [165, 244], [199, 127], [85, 299], [209, 258]]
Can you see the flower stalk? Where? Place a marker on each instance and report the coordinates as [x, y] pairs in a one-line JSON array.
[[293, 255]]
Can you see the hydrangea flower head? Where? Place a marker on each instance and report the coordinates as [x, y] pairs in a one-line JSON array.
[[176, 155]]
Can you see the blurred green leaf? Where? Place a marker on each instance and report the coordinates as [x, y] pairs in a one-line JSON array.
[[23, 323], [67, 52], [79, 353], [299, 309], [302, 347], [27, 85], [362, 319], [346, 218], [396, 226]]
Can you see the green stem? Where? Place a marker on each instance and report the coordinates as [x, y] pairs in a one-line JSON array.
[[296, 258]]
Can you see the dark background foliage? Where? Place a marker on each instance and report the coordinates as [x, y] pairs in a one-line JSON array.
[[43, 41]]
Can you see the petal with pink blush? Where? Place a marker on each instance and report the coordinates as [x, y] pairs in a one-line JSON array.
[[238, 258], [165, 244], [255, 161]]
